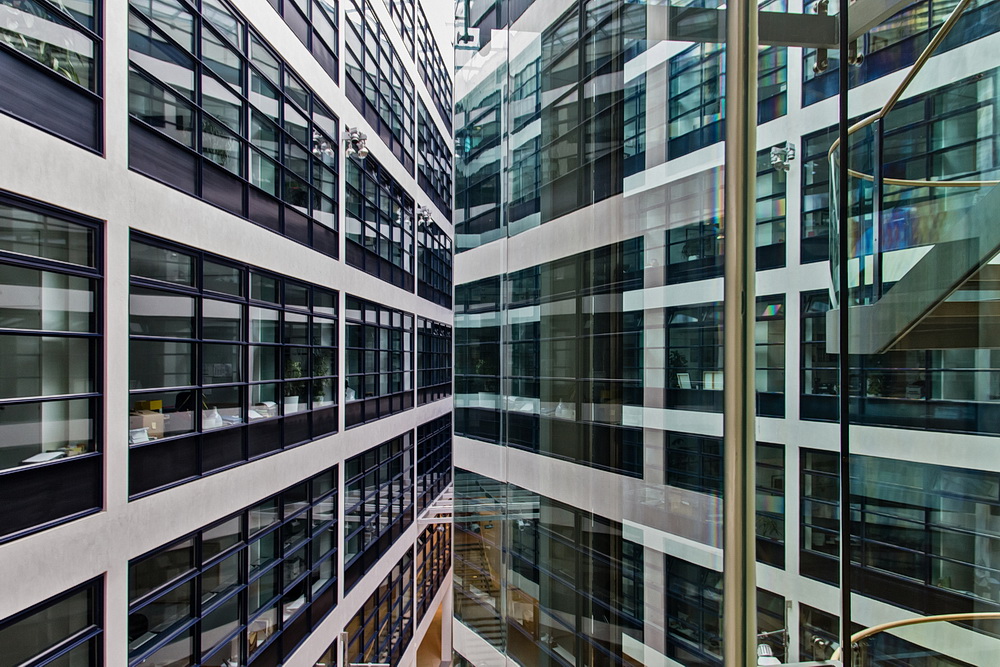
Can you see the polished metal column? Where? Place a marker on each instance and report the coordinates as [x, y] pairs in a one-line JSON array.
[[739, 644]]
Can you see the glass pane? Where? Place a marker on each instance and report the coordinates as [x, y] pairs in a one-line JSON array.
[[39, 432], [35, 234], [44, 300], [43, 629]]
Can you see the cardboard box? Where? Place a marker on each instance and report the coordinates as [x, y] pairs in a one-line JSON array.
[[148, 419]]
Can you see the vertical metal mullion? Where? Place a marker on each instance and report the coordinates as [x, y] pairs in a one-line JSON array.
[[739, 555], [878, 190], [843, 287]]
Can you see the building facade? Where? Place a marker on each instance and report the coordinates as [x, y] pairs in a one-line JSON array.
[[590, 333], [225, 318]]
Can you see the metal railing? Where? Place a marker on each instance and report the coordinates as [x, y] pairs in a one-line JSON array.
[[860, 636], [911, 74]]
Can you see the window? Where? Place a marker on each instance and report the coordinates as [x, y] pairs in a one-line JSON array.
[[50, 56], [565, 398], [251, 585], [378, 503], [695, 463], [402, 17], [819, 368], [942, 390], [433, 161], [267, 146], [769, 235], [697, 79], [896, 43], [314, 22], [435, 262], [224, 359], [634, 127], [820, 529], [694, 357], [477, 360], [694, 598], [433, 460], [377, 82], [695, 248], [769, 348], [379, 361], [51, 375], [65, 630], [433, 70], [383, 627], [771, 504], [379, 223], [434, 361], [694, 613], [329, 657], [818, 633], [816, 195], [572, 569], [477, 165], [433, 561], [581, 132]]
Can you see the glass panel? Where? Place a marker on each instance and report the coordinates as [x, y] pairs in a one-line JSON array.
[[41, 630], [43, 300], [49, 39], [38, 235], [39, 432], [46, 366]]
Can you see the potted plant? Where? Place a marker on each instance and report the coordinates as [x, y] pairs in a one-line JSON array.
[[293, 390], [321, 368]]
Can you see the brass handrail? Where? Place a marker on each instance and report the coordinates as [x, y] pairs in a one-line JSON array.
[[911, 74], [944, 618]]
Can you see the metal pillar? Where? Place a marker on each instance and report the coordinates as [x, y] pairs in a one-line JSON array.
[[739, 586]]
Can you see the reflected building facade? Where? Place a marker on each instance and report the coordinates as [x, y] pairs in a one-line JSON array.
[[590, 336]]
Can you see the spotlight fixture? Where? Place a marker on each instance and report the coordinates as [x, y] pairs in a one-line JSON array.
[[423, 215], [781, 156], [356, 143], [321, 147]]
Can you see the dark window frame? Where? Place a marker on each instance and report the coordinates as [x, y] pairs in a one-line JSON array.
[[300, 197], [84, 94], [433, 562], [365, 346], [289, 506], [364, 43], [91, 635], [377, 208], [434, 460], [433, 70], [278, 431], [435, 264], [434, 161], [384, 625], [382, 477], [19, 482], [304, 27]]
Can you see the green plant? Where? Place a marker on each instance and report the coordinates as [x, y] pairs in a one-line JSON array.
[[293, 369], [321, 367]]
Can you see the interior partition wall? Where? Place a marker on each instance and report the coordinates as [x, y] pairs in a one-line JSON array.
[[731, 288]]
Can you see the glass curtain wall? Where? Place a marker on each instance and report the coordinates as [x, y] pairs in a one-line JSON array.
[[593, 336]]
